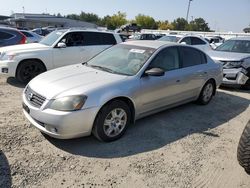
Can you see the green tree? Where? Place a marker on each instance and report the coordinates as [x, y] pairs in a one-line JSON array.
[[199, 24], [164, 25], [73, 16], [146, 22], [89, 17], [180, 24], [114, 21]]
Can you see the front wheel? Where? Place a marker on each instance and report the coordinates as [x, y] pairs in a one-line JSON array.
[[112, 121], [243, 151], [206, 93], [29, 69]]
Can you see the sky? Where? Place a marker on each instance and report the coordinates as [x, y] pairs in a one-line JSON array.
[[221, 15]]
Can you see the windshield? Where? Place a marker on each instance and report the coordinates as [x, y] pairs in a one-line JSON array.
[[239, 46], [122, 59], [169, 38], [51, 38]]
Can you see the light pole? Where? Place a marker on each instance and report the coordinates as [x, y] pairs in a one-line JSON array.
[[189, 2]]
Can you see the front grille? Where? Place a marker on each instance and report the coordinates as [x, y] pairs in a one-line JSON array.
[[34, 98]]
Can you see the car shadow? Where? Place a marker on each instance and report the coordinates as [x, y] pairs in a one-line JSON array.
[[14, 82], [159, 130], [234, 89], [5, 173]]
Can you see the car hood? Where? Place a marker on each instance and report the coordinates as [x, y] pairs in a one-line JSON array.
[[227, 56], [72, 80], [23, 47]]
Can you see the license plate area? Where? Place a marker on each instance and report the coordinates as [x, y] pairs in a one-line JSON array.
[[26, 108]]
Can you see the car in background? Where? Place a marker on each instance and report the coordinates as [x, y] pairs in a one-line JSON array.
[[131, 27], [41, 31], [124, 83], [243, 151], [215, 41], [234, 54], [31, 36], [10, 36], [59, 48], [195, 41], [170, 38], [143, 36]]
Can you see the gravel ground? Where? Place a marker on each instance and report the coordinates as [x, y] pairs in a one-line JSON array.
[[188, 146]]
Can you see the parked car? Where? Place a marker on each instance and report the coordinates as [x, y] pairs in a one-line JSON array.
[[133, 27], [195, 41], [10, 36], [243, 152], [234, 54], [143, 36], [60, 48], [31, 36], [41, 31], [214, 41], [120, 85]]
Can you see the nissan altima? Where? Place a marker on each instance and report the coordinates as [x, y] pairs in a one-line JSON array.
[[120, 85]]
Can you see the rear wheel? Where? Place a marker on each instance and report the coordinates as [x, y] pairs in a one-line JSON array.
[[28, 70], [112, 121], [206, 93], [243, 151], [246, 86]]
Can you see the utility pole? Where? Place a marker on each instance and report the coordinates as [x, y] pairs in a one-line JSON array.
[[189, 2]]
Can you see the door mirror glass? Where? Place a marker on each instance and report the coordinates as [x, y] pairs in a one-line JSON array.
[[155, 72], [61, 45]]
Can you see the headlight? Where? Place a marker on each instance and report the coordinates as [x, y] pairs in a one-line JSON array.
[[233, 64], [70, 103], [5, 56]]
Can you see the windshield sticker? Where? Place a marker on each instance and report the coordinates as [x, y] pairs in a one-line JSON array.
[[137, 51]]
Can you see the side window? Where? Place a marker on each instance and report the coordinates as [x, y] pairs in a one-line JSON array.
[[5, 36], [91, 38], [107, 39], [167, 59], [27, 34], [192, 57], [187, 40], [197, 41], [73, 39]]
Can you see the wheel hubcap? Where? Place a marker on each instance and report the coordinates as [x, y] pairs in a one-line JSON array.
[[208, 92], [115, 122]]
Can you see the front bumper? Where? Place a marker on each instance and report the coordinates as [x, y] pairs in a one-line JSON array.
[[58, 124], [235, 76], [8, 68]]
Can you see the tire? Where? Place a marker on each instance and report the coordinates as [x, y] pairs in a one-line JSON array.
[[246, 86], [115, 127], [206, 93], [29, 69], [243, 151]]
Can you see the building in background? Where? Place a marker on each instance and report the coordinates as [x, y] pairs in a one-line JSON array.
[[2, 19], [31, 21]]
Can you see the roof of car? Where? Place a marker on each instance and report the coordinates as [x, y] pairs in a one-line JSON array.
[[240, 38], [150, 43]]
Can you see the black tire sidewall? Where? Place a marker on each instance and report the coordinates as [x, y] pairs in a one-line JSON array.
[[98, 129], [201, 98], [21, 67]]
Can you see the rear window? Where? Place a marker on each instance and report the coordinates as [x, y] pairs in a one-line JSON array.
[[95, 38], [5, 35], [191, 57]]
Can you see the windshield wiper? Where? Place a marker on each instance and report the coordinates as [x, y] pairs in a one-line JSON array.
[[102, 68]]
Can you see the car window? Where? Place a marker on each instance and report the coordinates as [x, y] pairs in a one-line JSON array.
[[26, 34], [107, 39], [192, 57], [187, 40], [197, 41], [167, 59], [73, 39], [5, 36], [239, 46]]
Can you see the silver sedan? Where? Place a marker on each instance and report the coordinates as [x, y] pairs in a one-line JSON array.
[[114, 89]]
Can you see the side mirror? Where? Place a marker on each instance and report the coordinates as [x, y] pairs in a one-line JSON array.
[[183, 42], [61, 45], [155, 72]]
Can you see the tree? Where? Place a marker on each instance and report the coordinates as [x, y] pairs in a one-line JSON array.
[[164, 25], [180, 24], [89, 17], [114, 21], [146, 22], [199, 24], [73, 16]]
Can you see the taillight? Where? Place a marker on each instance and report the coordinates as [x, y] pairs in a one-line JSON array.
[[23, 40]]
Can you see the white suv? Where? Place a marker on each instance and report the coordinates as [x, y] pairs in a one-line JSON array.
[[59, 48]]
